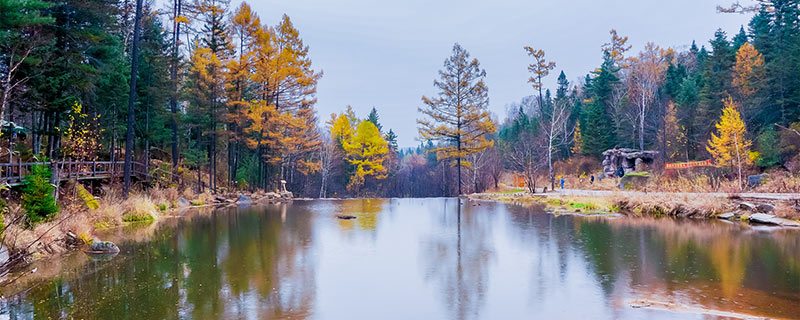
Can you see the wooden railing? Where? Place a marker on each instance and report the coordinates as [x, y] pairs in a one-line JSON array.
[[13, 174]]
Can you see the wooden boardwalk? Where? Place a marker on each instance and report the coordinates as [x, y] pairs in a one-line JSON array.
[[13, 174]]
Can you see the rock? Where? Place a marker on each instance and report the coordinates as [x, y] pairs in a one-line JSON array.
[[789, 223], [271, 195], [98, 246], [633, 181], [729, 215], [182, 202], [243, 199], [770, 219], [756, 180], [219, 199], [765, 207], [747, 206]]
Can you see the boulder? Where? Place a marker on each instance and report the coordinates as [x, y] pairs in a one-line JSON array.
[[747, 206], [770, 219], [182, 202], [243, 199], [729, 215], [765, 207], [756, 180], [98, 246]]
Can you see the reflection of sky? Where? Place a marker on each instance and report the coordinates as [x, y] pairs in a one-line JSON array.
[[421, 259]]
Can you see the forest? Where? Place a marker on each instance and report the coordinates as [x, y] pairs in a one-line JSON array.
[[207, 91]]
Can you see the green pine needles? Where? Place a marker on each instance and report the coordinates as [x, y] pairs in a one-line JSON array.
[[37, 195]]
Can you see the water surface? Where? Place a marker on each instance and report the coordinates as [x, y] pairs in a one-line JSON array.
[[422, 259]]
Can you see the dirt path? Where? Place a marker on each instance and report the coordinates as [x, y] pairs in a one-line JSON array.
[[605, 193]]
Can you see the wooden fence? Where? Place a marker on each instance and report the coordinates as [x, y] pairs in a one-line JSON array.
[[13, 174]]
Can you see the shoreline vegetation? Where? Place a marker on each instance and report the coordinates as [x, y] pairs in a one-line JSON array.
[[83, 217], [732, 207]]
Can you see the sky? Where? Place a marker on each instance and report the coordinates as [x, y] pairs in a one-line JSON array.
[[386, 54]]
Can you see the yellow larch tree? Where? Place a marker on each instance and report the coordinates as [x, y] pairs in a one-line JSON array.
[[367, 151], [293, 87], [747, 78], [245, 26], [674, 136], [730, 146], [748, 70], [458, 117]]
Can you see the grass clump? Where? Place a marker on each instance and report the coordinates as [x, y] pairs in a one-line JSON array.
[[37, 195], [139, 208]]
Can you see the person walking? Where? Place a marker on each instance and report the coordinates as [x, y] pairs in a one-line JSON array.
[[562, 183], [591, 179]]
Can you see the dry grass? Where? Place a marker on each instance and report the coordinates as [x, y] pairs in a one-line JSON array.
[[786, 211], [780, 182], [138, 208], [672, 205]]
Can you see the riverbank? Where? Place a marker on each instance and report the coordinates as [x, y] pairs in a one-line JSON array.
[[772, 210], [84, 217]]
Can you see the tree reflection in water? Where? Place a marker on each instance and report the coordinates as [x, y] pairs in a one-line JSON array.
[[456, 257], [421, 258]]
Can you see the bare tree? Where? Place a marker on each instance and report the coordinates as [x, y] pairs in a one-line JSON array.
[[17, 54], [553, 123], [528, 156], [646, 76], [328, 155]]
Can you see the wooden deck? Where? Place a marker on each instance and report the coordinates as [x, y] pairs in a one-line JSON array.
[[13, 174]]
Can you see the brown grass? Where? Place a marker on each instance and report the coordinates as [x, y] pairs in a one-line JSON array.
[[672, 205], [786, 211]]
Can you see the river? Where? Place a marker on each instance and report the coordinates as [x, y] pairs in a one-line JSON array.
[[421, 259]]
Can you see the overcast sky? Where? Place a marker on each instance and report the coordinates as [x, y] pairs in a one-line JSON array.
[[387, 53]]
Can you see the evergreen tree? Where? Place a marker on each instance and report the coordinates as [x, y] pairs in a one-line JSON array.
[[717, 77], [391, 138], [597, 124], [739, 39], [374, 118]]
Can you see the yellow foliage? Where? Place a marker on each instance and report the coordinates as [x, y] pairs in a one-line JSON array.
[[730, 145], [368, 151], [748, 69]]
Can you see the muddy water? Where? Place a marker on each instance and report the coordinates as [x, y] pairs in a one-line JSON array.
[[423, 259]]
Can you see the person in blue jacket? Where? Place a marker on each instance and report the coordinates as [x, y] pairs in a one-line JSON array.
[[562, 183]]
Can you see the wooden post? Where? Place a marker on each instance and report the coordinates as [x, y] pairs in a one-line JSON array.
[[54, 178]]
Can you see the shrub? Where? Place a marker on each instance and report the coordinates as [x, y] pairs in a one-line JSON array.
[[37, 195]]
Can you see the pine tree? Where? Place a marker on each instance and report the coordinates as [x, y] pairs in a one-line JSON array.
[[375, 119], [391, 139], [776, 35], [17, 42], [458, 117], [739, 39], [717, 78], [597, 124]]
